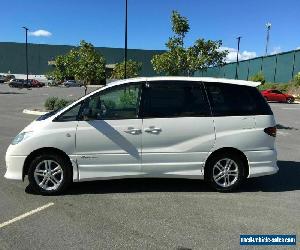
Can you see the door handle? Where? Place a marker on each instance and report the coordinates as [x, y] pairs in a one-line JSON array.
[[153, 130], [133, 131]]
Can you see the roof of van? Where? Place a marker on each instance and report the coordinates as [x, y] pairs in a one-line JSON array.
[[185, 78]]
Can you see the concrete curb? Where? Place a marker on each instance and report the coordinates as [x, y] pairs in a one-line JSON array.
[[34, 112]]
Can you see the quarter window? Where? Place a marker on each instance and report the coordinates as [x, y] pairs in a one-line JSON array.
[[236, 100], [70, 115]]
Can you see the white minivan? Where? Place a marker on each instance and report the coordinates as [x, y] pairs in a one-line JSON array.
[[219, 130]]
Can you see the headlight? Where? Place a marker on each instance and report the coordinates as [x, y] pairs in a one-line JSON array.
[[20, 137]]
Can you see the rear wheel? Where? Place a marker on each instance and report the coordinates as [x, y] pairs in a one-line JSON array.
[[225, 172], [50, 174]]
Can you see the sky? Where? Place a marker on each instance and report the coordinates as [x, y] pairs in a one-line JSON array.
[[101, 22]]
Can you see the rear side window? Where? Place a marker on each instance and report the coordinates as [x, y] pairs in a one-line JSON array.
[[174, 99], [236, 100]]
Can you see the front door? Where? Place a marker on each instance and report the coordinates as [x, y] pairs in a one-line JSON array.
[[108, 137], [178, 130]]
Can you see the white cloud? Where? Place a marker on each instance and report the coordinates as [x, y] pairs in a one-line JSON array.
[[40, 33], [298, 47], [276, 50], [243, 55]]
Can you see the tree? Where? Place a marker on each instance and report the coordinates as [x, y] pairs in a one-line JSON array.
[[83, 63], [179, 60], [132, 70]]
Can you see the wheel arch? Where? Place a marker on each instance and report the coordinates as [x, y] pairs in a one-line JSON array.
[[48, 150], [229, 150]]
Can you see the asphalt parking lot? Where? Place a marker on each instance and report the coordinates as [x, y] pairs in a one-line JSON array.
[[151, 213]]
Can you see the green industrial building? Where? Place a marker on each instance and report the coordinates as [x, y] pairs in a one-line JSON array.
[[41, 56], [277, 68]]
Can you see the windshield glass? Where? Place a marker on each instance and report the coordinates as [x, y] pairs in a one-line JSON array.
[[47, 115]]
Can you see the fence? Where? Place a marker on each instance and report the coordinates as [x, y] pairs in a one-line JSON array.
[[279, 68]]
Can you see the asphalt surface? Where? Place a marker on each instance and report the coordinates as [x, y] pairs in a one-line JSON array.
[[150, 213]]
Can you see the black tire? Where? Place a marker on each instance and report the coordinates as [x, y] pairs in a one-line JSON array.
[[289, 100], [67, 85], [66, 168], [211, 171], [266, 99]]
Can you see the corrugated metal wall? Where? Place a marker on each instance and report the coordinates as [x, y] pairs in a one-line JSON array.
[[279, 68], [12, 57]]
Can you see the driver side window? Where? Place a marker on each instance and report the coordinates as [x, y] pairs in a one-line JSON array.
[[121, 102]]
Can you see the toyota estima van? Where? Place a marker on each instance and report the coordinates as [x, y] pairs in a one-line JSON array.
[[219, 130]]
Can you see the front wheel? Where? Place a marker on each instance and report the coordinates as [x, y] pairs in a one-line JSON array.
[[50, 174], [225, 172], [289, 100]]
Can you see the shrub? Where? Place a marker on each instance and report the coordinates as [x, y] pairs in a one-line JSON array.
[[296, 80], [54, 103], [50, 102], [61, 103], [258, 77]]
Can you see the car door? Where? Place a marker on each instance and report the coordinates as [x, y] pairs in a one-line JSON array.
[[178, 130], [279, 96], [108, 137]]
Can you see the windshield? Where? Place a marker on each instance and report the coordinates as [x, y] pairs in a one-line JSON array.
[[47, 115]]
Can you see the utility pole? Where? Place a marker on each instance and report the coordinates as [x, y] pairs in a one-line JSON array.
[[125, 52], [237, 56], [26, 31], [268, 26]]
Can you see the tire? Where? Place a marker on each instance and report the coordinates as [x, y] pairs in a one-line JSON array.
[[266, 98], [67, 85], [218, 164], [289, 100], [52, 172]]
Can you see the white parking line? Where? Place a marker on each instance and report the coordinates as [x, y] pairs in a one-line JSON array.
[[290, 108], [26, 215]]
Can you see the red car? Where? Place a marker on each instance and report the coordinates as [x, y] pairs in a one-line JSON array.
[[35, 83], [274, 95]]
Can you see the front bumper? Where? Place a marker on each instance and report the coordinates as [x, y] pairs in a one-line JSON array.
[[262, 162], [14, 167]]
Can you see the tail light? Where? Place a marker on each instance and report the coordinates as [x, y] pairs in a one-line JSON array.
[[271, 131]]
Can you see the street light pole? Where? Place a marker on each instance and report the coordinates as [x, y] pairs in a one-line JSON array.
[[125, 52], [26, 31], [268, 26], [237, 57]]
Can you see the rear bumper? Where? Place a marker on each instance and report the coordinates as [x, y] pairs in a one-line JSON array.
[[14, 167], [262, 162]]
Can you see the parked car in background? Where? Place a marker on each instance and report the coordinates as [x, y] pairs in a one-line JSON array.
[[36, 84], [219, 130], [2, 78], [9, 77], [71, 83], [19, 83], [275, 95]]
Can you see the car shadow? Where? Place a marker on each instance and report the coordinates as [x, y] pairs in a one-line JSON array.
[[11, 93], [280, 126], [287, 179]]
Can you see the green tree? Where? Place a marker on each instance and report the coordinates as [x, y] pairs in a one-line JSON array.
[[179, 60], [83, 63], [132, 69], [89, 66]]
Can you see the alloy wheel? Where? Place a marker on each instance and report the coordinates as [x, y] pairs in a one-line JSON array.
[[225, 172], [48, 175]]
